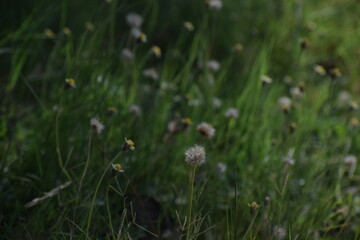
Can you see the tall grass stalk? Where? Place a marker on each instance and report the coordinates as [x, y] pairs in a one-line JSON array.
[[190, 201]]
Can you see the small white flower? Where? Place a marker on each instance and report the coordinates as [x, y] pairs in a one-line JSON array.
[[189, 26], [350, 160], [206, 130], [195, 155], [194, 102], [117, 168], [165, 86], [232, 113], [126, 54], [97, 125], [173, 126], [354, 105], [151, 73], [138, 35], [70, 82], [156, 50], [100, 78], [301, 182], [214, 4], [213, 65], [216, 102], [279, 232], [135, 32], [285, 103], [89, 26], [266, 79], [134, 20], [344, 99], [221, 167], [177, 98], [288, 159], [320, 70], [296, 92], [135, 109]]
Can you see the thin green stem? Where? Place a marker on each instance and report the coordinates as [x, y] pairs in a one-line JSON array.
[[57, 138], [251, 224], [109, 213], [95, 194], [84, 173], [190, 200]]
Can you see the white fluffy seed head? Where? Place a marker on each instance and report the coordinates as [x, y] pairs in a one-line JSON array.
[[195, 155], [232, 113], [285, 103], [97, 125], [214, 4], [134, 20], [206, 130]]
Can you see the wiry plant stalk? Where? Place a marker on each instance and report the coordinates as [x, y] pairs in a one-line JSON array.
[[190, 200]]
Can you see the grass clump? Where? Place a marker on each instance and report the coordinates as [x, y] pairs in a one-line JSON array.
[[100, 100]]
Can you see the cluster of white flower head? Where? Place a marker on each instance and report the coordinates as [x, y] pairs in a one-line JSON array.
[[195, 155], [97, 125], [214, 4]]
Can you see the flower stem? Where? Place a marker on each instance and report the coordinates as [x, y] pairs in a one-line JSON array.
[[190, 200]]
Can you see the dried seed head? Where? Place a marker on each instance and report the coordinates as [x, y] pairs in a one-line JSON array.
[[238, 48], [49, 33], [350, 163], [292, 127], [279, 232], [195, 155], [301, 86], [296, 92], [89, 26], [320, 70], [189, 26], [267, 200], [266, 80], [213, 65], [151, 73], [173, 127], [126, 54], [354, 105], [221, 167], [206, 130], [97, 125], [134, 20], [135, 109], [343, 99], [66, 31], [111, 111], [232, 113], [285, 104], [304, 43], [216, 103], [214, 4], [350, 160]]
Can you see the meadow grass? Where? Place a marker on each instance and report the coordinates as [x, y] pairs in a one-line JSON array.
[[272, 170]]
